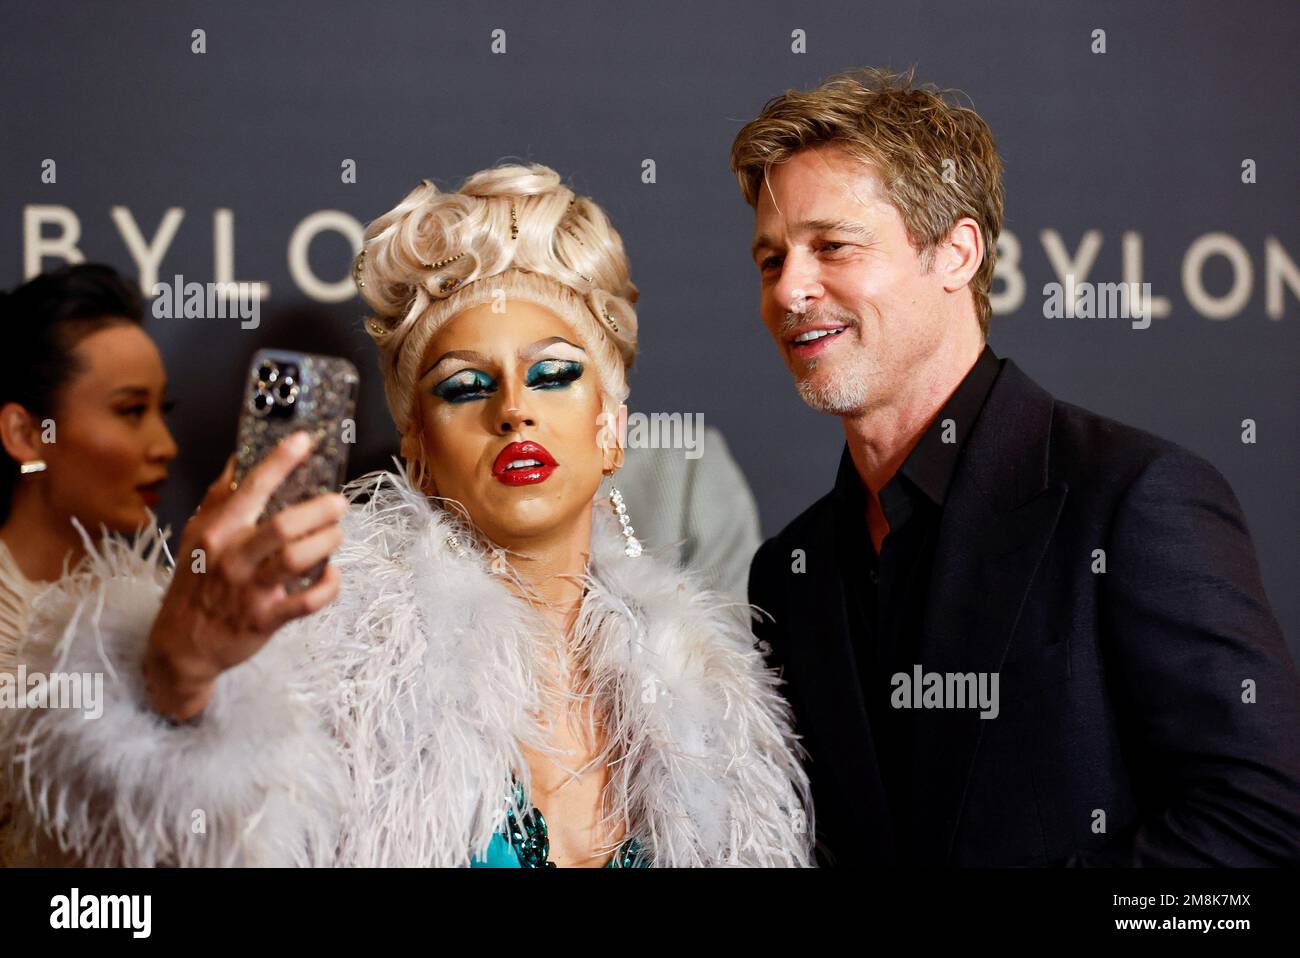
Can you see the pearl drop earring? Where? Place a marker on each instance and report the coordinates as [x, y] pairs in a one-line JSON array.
[[631, 545]]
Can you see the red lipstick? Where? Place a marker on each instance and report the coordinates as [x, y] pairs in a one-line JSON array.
[[523, 463], [149, 492]]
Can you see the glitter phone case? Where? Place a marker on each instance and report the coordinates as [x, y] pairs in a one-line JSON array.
[[290, 391]]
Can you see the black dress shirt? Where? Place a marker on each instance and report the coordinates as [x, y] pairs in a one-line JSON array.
[[887, 594]]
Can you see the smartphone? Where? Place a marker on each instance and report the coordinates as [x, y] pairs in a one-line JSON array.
[[287, 392]]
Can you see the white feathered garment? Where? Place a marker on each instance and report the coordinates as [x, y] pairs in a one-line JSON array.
[[383, 730]]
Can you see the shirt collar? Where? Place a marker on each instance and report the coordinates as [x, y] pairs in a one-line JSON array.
[[930, 465], [932, 462]]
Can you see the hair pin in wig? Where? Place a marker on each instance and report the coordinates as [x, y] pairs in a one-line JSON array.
[[444, 262], [607, 307]]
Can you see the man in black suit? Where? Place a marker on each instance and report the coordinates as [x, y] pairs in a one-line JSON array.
[[1015, 632]]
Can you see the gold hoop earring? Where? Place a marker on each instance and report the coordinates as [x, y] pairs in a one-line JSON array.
[[417, 474], [417, 468]]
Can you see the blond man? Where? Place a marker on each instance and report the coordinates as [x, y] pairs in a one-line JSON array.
[[1014, 633]]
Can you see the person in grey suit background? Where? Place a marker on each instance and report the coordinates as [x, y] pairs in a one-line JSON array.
[[698, 513]]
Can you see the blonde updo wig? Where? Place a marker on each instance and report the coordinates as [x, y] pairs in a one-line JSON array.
[[436, 254]]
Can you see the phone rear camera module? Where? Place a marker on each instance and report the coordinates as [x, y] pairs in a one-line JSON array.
[[275, 390]]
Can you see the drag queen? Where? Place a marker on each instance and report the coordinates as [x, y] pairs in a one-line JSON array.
[[491, 672]]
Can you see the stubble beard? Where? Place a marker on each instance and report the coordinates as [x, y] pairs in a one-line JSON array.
[[839, 391]]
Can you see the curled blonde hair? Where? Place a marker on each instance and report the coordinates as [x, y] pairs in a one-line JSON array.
[[937, 160], [513, 230]]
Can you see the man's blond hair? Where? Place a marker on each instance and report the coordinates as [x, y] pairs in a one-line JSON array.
[[937, 160]]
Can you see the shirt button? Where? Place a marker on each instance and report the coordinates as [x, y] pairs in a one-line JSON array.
[[873, 577]]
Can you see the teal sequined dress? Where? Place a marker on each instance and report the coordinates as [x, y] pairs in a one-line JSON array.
[[524, 843]]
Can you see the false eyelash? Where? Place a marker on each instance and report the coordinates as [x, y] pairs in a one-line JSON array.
[[559, 372], [451, 391]]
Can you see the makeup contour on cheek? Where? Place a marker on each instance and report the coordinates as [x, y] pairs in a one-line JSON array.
[[486, 371]]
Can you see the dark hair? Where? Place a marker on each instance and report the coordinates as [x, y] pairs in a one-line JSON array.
[[42, 322]]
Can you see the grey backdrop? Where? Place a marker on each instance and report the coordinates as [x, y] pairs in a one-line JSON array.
[[1148, 137]]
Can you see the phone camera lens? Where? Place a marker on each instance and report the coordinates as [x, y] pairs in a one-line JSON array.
[[286, 391]]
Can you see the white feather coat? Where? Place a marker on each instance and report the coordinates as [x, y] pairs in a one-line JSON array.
[[384, 729]]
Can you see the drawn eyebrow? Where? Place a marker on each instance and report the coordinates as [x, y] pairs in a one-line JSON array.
[[468, 355], [542, 345]]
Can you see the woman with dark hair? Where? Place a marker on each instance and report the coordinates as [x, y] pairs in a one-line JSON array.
[[81, 420]]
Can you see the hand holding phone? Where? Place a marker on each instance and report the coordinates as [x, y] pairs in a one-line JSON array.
[[266, 529], [288, 392], [220, 613]]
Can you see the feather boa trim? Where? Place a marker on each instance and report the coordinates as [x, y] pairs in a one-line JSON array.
[[384, 730]]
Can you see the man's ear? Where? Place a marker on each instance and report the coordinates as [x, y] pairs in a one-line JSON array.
[[959, 256], [20, 433]]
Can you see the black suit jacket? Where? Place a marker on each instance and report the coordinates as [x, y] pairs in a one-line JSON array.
[[1123, 737]]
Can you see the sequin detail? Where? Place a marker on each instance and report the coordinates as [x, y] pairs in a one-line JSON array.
[[529, 839]]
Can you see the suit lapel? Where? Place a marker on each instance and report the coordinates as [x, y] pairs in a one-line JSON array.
[[998, 518]]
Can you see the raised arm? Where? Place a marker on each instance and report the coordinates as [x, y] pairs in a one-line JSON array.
[[204, 744]]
